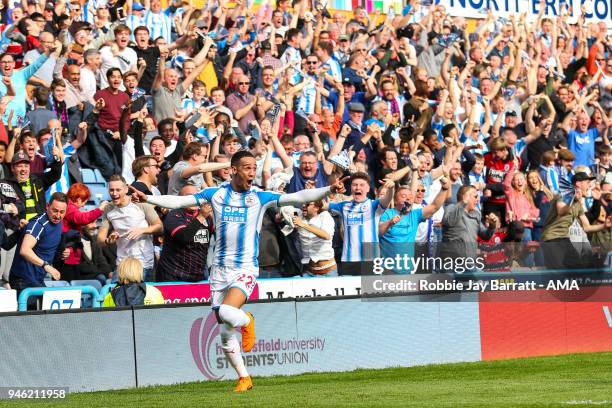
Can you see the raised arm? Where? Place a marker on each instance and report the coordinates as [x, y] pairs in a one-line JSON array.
[[430, 209], [280, 151], [157, 82], [200, 62], [328, 166]]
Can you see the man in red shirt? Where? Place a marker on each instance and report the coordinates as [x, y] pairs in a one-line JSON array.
[[499, 162], [114, 100]]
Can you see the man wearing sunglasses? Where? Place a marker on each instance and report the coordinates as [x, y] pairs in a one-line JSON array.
[[145, 170], [245, 106], [306, 99]]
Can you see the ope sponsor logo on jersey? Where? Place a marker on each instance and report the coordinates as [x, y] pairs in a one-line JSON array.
[[205, 343], [233, 214], [354, 218]]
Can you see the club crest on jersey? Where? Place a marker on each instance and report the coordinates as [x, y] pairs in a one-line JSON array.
[[506, 167], [249, 200]]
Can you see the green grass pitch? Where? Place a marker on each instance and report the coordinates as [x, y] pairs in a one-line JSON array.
[[560, 381]]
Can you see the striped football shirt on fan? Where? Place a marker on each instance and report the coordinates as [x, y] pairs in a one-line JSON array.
[[159, 25], [360, 226], [63, 184]]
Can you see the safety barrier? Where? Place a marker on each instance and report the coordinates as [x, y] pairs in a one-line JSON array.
[[169, 344], [28, 292], [178, 343]]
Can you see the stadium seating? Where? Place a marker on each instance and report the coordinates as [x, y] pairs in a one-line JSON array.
[[93, 179]]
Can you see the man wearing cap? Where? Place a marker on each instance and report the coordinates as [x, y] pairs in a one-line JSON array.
[[512, 122], [343, 52], [77, 38], [31, 188], [350, 95], [367, 138], [49, 14], [356, 64], [267, 59], [559, 251], [356, 112]]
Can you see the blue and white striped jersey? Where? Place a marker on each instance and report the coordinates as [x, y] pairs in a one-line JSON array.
[[134, 22], [238, 217], [290, 55], [306, 99], [360, 225], [63, 184], [159, 25]]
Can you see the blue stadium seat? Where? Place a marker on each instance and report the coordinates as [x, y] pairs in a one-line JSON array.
[[94, 180], [86, 299], [87, 282], [89, 176], [56, 284]]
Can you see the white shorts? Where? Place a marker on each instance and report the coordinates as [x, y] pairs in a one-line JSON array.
[[222, 278]]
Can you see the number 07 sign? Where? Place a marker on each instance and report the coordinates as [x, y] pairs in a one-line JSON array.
[[61, 299]]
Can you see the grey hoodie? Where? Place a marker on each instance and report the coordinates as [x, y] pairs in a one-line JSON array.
[[460, 230]]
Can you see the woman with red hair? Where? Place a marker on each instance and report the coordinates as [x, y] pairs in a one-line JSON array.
[[78, 194]]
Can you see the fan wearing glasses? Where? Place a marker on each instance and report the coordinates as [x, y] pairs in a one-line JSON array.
[[145, 170], [306, 99], [245, 106]]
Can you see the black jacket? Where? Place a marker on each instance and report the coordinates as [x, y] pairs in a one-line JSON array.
[[40, 184]]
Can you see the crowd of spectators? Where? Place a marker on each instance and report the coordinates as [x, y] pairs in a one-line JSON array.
[[445, 133]]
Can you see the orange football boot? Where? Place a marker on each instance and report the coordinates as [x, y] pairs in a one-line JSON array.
[[248, 334], [244, 384]]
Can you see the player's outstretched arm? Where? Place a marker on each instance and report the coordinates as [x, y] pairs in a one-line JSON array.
[[173, 202], [303, 196], [311, 194], [166, 201]]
